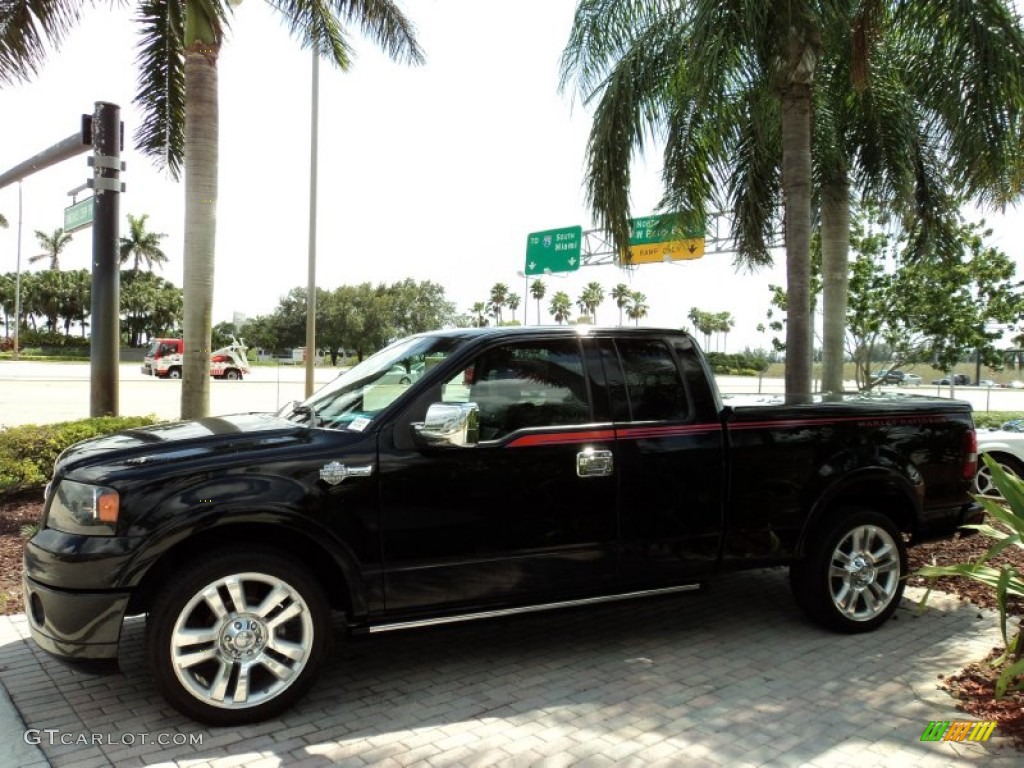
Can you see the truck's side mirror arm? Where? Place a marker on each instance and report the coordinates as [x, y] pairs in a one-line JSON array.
[[453, 425]]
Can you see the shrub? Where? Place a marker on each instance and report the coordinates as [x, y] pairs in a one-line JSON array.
[[1006, 579], [27, 453]]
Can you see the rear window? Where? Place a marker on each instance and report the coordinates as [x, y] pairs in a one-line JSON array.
[[653, 386]]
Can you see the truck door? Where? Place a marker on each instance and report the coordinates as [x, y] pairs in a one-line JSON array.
[[526, 513], [670, 459]]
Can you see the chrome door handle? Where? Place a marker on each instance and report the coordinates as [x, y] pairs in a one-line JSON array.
[[592, 463]]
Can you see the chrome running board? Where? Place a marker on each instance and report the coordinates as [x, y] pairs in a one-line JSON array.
[[530, 608]]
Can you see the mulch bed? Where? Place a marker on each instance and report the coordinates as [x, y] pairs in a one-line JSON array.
[[973, 687]]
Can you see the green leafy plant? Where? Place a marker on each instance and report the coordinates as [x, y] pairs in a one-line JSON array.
[[1005, 578], [28, 530]]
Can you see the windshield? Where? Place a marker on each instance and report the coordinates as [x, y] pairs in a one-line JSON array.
[[353, 399]]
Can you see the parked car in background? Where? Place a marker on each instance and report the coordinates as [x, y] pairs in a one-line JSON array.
[[986, 383], [911, 380], [959, 379], [1006, 446]]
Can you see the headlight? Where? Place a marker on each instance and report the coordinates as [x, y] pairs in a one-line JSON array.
[[88, 509]]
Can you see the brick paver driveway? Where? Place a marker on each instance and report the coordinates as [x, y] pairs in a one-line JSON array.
[[731, 676]]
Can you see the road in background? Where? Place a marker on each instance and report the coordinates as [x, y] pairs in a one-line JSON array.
[[42, 393]]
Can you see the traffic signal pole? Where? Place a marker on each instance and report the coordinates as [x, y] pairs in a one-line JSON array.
[[102, 131]]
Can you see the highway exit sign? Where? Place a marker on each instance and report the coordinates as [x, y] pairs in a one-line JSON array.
[[553, 250]]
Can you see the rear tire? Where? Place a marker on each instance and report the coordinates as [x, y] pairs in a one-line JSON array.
[[851, 579], [238, 637]]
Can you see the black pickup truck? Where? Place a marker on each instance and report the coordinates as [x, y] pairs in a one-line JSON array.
[[470, 473]]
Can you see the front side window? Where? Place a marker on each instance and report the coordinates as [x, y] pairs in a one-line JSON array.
[[523, 385]]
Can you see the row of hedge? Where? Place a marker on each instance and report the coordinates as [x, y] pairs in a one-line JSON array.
[[27, 453]]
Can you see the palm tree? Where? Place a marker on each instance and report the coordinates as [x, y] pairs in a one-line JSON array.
[[592, 297], [638, 307], [730, 86], [682, 70], [513, 301], [52, 246], [621, 294], [499, 297], [478, 309], [560, 307], [3, 221], [904, 131], [177, 92], [537, 290], [141, 245]]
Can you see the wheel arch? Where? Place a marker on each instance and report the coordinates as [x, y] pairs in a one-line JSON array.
[[880, 489], [335, 571]]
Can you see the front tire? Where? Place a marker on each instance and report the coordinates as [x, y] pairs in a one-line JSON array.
[[851, 579], [174, 373], [238, 639]]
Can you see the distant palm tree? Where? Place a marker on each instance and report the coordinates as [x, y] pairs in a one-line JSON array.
[[623, 298], [592, 297], [52, 246], [141, 245], [499, 297], [537, 290], [560, 307], [638, 307], [513, 301], [478, 309]]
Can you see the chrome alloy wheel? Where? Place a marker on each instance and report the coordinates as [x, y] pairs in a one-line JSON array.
[[241, 640], [864, 573]]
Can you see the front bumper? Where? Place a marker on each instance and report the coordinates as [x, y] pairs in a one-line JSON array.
[[75, 626], [943, 522]]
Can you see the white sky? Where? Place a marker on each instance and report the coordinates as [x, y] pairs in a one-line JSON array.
[[436, 172]]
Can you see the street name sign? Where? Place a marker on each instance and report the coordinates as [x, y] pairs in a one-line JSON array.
[[553, 250], [79, 215]]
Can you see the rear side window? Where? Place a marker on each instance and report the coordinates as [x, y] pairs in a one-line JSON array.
[[653, 385], [522, 385]]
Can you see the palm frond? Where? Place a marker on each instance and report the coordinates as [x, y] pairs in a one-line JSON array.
[[602, 32], [969, 72], [27, 29], [320, 23], [630, 106], [161, 88]]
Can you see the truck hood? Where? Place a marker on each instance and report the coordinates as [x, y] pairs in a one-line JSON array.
[[162, 443]]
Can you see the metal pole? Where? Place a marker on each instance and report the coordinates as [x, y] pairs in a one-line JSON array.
[[17, 282], [106, 289], [311, 277]]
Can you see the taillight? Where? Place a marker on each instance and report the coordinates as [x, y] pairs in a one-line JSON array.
[[970, 454]]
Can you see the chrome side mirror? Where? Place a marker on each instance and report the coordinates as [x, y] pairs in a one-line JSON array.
[[449, 424]]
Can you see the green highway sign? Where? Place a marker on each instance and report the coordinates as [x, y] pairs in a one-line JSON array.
[[553, 250], [79, 215], [663, 229]]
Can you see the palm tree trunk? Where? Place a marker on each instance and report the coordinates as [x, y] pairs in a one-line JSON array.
[[201, 127], [796, 190], [835, 255]]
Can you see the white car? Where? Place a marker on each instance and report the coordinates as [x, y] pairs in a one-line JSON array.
[[1007, 448], [910, 380]]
